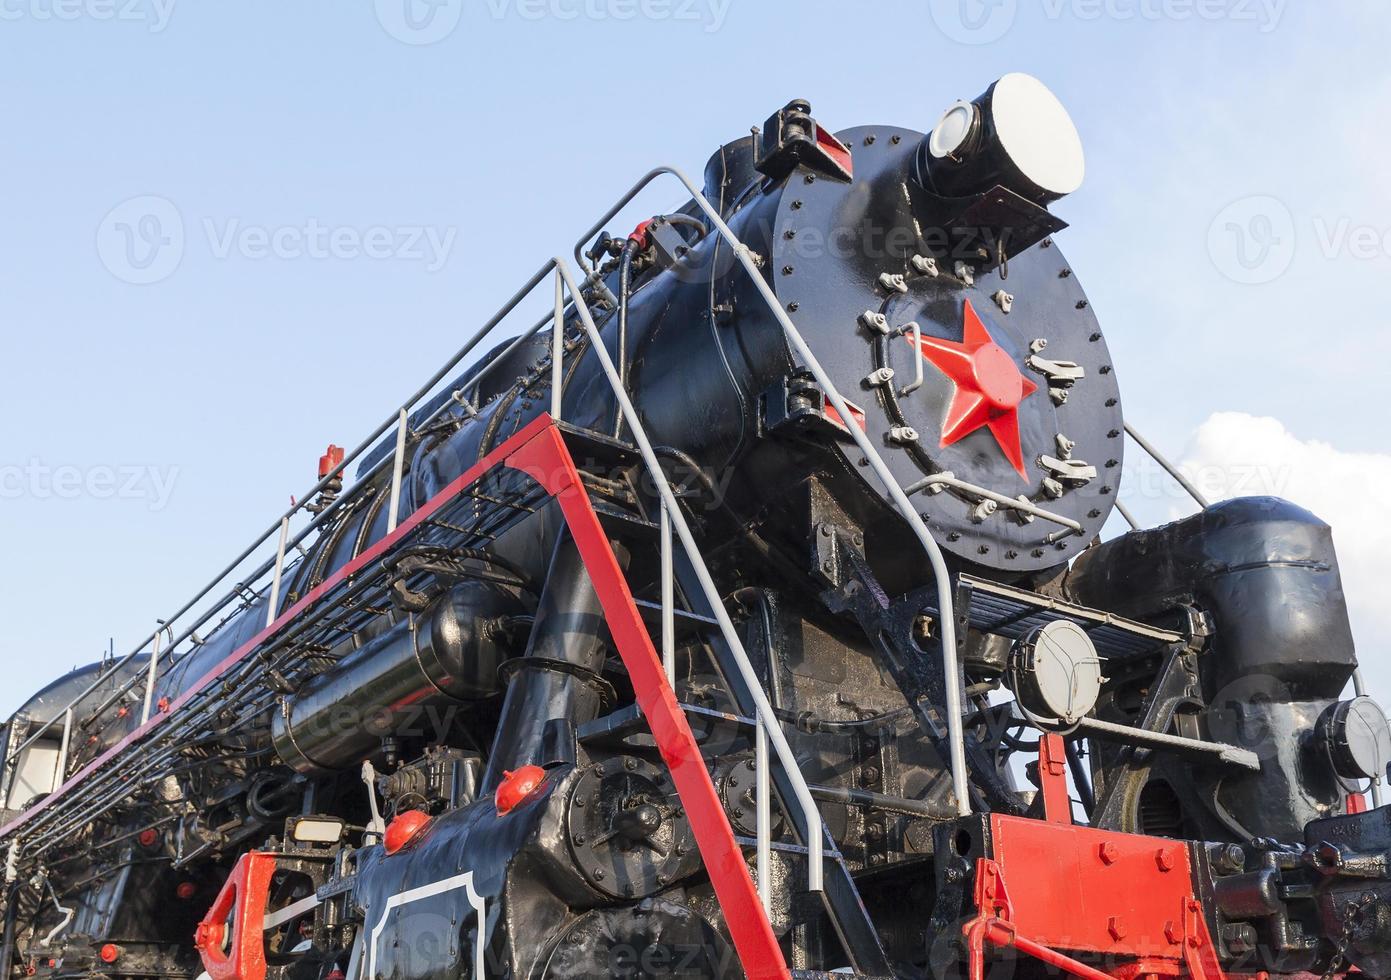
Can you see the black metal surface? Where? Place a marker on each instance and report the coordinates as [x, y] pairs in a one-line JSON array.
[[1281, 655], [569, 629], [450, 654], [1212, 628]]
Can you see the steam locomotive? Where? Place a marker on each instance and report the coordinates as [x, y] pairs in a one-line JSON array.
[[749, 616]]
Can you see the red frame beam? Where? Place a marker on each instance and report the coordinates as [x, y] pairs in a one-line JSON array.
[[539, 451], [547, 461]]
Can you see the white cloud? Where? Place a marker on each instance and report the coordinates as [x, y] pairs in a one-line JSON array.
[[1233, 454]]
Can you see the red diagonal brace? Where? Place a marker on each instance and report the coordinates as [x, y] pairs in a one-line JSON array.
[[546, 459], [231, 939]]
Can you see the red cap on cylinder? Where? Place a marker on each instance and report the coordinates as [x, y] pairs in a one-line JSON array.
[[110, 953], [517, 786], [330, 460], [404, 829]]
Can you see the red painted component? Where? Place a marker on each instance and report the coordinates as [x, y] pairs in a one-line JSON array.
[[641, 234], [837, 151], [362, 561], [856, 412], [1052, 775], [516, 787], [1127, 897], [186, 890], [547, 461], [1186, 944], [1357, 803], [989, 387], [330, 460], [539, 451], [148, 837], [405, 829], [231, 937], [1106, 874], [110, 953]]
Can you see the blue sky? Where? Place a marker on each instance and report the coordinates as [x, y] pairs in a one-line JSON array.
[[353, 200]]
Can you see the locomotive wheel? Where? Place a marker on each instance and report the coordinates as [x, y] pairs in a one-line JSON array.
[[652, 939]]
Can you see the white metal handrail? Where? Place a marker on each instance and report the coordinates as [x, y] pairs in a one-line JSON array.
[[237, 593], [935, 557], [768, 729]]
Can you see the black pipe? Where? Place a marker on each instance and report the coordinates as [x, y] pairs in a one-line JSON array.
[[879, 801], [1080, 777], [625, 283], [7, 952], [568, 629]]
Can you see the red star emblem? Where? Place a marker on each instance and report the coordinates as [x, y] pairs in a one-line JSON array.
[[989, 387]]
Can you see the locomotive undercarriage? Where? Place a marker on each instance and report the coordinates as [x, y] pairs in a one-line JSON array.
[[546, 698]]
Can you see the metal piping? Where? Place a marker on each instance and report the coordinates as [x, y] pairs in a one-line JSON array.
[[941, 576], [363, 447], [940, 480], [1169, 467], [815, 835]]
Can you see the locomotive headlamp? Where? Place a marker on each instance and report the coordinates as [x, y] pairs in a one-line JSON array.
[[1056, 673], [1358, 738], [1017, 135], [317, 830]]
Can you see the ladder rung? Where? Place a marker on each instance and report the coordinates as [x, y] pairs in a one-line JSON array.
[[686, 622], [786, 848]]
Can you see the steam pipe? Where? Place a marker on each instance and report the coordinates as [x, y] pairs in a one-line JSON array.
[[567, 630]]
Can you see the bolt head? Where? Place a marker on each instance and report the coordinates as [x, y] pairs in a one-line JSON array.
[[1116, 927], [1173, 933], [1108, 853], [1164, 857]]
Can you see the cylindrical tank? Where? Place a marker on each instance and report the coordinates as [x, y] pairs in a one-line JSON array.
[[448, 654]]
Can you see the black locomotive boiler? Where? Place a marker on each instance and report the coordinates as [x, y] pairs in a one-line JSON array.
[[748, 615]]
